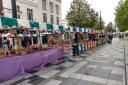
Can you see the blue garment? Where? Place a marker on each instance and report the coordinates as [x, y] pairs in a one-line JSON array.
[[75, 49], [81, 48]]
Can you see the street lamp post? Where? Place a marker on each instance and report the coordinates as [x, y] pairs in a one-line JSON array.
[[14, 10], [1, 8], [100, 21]]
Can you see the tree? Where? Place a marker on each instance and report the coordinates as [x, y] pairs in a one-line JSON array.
[[99, 24], [122, 15], [109, 27], [82, 15], [78, 14]]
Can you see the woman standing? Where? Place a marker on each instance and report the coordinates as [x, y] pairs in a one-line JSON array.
[[6, 46], [51, 41]]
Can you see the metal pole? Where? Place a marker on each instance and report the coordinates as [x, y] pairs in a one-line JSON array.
[[14, 10], [125, 63], [100, 21], [100, 29], [1, 8]]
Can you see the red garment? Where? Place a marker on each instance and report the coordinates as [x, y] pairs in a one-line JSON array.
[[8, 42], [51, 42]]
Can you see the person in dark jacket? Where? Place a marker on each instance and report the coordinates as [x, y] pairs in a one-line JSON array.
[[110, 37]]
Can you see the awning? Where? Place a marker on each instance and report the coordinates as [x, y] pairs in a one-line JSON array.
[[43, 26], [75, 29], [15, 23], [83, 30], [80, 30], [86, 30], [56, 27], [71, 29], [49, 26], [61, 28], [10, 22], [34, 25], [23, 23], [90, 30]]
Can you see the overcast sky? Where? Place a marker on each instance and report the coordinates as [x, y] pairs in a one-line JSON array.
[[107, 8]]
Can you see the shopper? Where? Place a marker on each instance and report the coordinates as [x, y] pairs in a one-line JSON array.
[[51, 41], [110, 37], [74, 48], [8, 43], [5, 46], [76, 40]]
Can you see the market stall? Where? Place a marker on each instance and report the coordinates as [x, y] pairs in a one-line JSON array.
[[30, 44], [38, 42], [86, 37]]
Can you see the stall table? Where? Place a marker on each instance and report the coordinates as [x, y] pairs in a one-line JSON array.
[[19, 65]]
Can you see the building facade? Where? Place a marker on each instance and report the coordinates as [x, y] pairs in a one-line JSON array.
[[44, 11], [65, 23]]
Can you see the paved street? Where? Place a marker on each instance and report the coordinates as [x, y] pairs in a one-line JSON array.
[[126, 56], [103, 65]]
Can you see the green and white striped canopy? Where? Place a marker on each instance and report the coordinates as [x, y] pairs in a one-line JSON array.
[[23, 23], [8, 23]]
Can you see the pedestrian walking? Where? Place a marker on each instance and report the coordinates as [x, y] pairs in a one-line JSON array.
[[110, 37]]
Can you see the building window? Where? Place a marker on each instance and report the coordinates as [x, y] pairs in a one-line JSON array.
[[57, 20], [18, 11], [52, 21], [44, 5], [57, 9], [51, 7], [45, 17], [30, 14]]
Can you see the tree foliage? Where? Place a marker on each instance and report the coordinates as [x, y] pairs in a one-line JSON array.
[[82, 15], [122, 15], [109, 27]]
